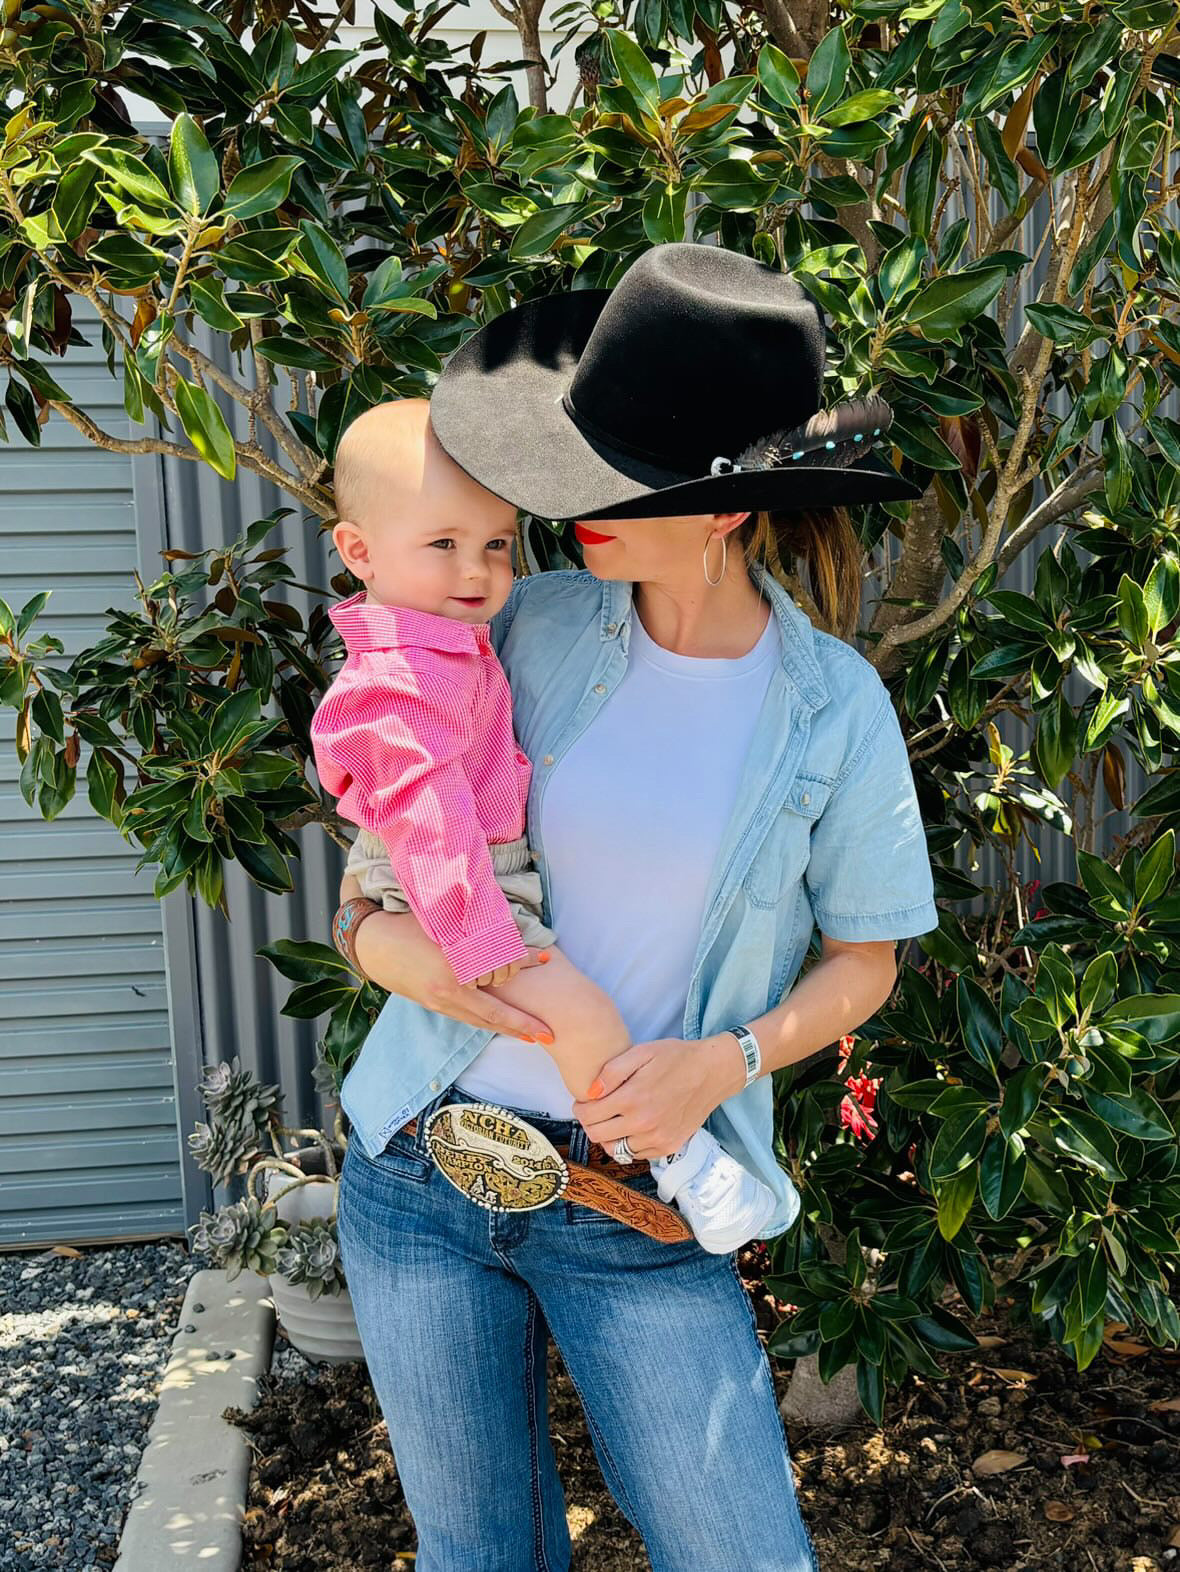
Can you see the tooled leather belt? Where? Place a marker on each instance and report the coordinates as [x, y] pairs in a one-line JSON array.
[[501, 1162]]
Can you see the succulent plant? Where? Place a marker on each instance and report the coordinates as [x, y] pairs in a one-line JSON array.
[[310, 1255], [223, 1150], [241, 1234], [245, 1115]]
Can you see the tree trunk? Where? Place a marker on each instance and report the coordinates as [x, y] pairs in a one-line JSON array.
[[529, 27]]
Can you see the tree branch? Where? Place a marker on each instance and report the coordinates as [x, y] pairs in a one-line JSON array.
[[1086, 480]]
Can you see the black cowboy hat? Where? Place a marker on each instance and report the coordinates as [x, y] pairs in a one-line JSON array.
[[691, 387]]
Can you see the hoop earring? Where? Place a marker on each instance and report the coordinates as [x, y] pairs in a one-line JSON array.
[[724, 560]]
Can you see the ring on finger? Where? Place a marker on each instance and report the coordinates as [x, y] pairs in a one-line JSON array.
[[623, 1152]]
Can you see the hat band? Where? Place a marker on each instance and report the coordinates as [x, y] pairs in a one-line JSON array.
[[589, 428]]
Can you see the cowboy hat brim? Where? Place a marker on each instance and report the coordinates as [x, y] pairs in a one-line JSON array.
[[497, 411]]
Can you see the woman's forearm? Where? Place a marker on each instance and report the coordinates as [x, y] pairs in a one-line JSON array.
[[840, 991], [394, 951]]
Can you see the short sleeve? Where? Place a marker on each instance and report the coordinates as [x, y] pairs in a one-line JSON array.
[[869, 872]]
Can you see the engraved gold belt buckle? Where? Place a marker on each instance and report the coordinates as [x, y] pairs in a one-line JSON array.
[[496, 1158]]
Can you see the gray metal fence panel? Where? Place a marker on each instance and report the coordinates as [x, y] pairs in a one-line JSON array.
[[88, 1132]]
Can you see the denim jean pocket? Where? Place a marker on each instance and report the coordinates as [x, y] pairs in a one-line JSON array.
[[401, 1157]]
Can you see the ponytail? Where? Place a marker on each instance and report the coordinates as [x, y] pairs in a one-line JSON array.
[[823, 542]]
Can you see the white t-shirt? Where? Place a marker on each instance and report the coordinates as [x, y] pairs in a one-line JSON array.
[[632, 821]]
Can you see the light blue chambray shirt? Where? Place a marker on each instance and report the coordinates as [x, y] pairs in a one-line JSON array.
[[825, 832]]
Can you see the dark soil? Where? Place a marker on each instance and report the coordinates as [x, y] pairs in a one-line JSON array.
[[324, 1495]]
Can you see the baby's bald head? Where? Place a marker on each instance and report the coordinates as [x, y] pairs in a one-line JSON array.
[[385, 460], [399, 497]]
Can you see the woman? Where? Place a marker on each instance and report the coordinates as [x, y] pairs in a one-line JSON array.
[[713, 778]]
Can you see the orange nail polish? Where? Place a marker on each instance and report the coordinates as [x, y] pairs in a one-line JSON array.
[[542, 955], [525, 1039], [546, 1038], [596, 1090]]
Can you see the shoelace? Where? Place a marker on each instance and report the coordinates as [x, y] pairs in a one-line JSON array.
[[708, 1186]]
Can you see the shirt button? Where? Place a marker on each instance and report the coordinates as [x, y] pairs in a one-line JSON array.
[[612, 627], [600, 687], [435, 1085], [806, 798], [548, 759]]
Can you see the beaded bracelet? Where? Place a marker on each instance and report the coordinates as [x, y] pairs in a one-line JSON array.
[[347, 920]]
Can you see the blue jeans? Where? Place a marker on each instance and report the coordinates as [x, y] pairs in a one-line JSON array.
[[455, 1305]]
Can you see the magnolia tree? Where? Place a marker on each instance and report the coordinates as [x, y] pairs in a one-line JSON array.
[[344, 217]]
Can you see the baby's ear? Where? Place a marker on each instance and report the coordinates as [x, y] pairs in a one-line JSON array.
[[350, 542]]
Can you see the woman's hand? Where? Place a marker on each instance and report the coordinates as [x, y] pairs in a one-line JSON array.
[[394, 951], [658, 1093]]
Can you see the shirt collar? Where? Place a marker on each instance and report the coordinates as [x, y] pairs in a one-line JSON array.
[[797, 635], [367, 625]]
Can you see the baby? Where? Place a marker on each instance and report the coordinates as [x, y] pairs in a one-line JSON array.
[[415, 738]]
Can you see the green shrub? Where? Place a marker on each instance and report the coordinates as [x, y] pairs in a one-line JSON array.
[[345, 216]]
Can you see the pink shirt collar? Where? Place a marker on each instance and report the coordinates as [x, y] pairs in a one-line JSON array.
[[367, 625]]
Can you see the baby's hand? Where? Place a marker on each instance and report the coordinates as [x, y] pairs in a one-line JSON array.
[[504, 974]]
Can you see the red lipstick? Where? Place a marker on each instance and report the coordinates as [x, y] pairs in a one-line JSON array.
[[589, 537]]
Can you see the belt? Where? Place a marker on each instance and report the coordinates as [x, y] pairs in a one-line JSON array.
[[504, 1164]]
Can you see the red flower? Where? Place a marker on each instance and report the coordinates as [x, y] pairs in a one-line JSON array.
[[856, 1109]]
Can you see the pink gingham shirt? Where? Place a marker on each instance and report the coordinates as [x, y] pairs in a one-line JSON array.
[[415, 738]]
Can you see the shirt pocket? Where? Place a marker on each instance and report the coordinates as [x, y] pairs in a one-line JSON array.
[[781, 860]]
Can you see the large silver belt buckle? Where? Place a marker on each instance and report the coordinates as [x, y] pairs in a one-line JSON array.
[[496, 1158]]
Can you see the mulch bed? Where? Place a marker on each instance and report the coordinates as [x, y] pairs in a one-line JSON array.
[[324, 1494]]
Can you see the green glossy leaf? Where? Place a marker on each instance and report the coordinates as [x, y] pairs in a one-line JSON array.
[[74, 199], [946, 304], [1137, 1114], [958, 1143], [1086, 1138], [1161, 593], [945, 1331], [1098, 984], [1001, 1173], [1022, 1093], [192, 166], [324, 257], [1155, 1016], [261, 187], [954, 1197], [1056, 739], [1156, 869], [870, 1387], [131, 176], [538, 234], [861, 106], [827, 71], [982, 1032], [778, 76], [205, 427], [635, 71]]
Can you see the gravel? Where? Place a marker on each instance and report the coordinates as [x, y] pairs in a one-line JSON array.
[[83, 1343]]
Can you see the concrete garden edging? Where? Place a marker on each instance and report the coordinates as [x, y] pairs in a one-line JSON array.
[[192, 1479]]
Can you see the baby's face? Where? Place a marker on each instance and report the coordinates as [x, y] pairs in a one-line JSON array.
[[456, 562], [429, 537]]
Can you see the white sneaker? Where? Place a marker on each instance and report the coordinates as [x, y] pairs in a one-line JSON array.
[[725, 1205]]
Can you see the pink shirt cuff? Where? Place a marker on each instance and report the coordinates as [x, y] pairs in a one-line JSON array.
[[478, 953]]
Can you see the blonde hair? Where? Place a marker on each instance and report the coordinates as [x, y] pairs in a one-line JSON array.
[[821, 540]]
